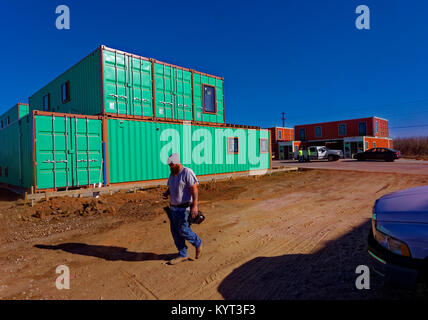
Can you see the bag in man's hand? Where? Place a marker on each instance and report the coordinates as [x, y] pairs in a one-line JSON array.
[[198, 219]]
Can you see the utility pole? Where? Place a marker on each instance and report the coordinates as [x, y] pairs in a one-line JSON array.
[[283, 119]]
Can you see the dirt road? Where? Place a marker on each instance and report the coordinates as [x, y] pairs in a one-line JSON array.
[[406, 166], [285, 236]]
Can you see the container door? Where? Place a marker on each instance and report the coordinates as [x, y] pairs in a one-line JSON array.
[[54, 166], [87, 164], [115, 83], [164, 86], [127, 84], [141, 101], [183, 94]]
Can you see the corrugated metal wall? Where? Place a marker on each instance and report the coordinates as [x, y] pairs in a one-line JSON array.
[[138, 150], [16, 112], [200, 115], [16, 154], [330, 130]]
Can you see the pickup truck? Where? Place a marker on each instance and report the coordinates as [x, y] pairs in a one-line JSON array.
[[321, 153], [398, 239]]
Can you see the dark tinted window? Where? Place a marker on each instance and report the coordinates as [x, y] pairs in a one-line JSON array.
[[209, 99], [46, 102], [362, 129], [302, 133], [342, 129], [318, 132], [65, 92]]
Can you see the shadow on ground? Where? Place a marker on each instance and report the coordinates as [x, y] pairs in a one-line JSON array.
[[7, 195], [107, 252], [326, 274]]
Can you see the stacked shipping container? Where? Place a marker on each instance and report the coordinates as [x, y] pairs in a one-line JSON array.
[[115, 117], [115, 83], [351, 136], [13, 114], [280, 134]]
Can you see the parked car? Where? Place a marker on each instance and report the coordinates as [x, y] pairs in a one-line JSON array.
[[321, 153], [378, 154], [398, 239]]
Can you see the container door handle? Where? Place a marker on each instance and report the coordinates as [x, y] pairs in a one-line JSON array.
[[144, 100]]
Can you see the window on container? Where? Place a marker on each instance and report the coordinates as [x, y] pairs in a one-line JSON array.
[[342, 129], [264, 146], [279, 134], [318, 132], [374, 144], [46, 103], [362, 129], [232, 145], [65, 92], [1, 172], [377, 127], [209, 99], [1, 124], [367, 145], [6, 172], [302, 133], [8, 121]]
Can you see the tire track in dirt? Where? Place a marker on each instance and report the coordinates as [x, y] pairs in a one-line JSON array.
[[140, 290]]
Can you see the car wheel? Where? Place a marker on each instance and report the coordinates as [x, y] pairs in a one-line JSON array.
[[330, 158]]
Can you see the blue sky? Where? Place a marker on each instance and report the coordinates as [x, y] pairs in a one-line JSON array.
[[304, 58]]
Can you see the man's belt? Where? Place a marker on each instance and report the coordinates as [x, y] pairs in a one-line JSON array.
[[183, 205]]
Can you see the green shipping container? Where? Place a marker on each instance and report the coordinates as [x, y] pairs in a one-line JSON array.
[[113, 82], [52, 151], [13, 114], [137, 150]]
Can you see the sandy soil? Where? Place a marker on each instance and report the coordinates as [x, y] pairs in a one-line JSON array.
[[294, 235]]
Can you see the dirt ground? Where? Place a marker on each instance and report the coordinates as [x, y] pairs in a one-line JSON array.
[[297, 235]]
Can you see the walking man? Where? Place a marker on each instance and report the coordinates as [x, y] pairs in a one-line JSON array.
[[183, 193]]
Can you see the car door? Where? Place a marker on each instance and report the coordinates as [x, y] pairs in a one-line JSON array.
[[369, 154], [322, 153], [378, 154], [314, 153]]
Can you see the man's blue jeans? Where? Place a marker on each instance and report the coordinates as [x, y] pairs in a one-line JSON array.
[[181, 231]]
